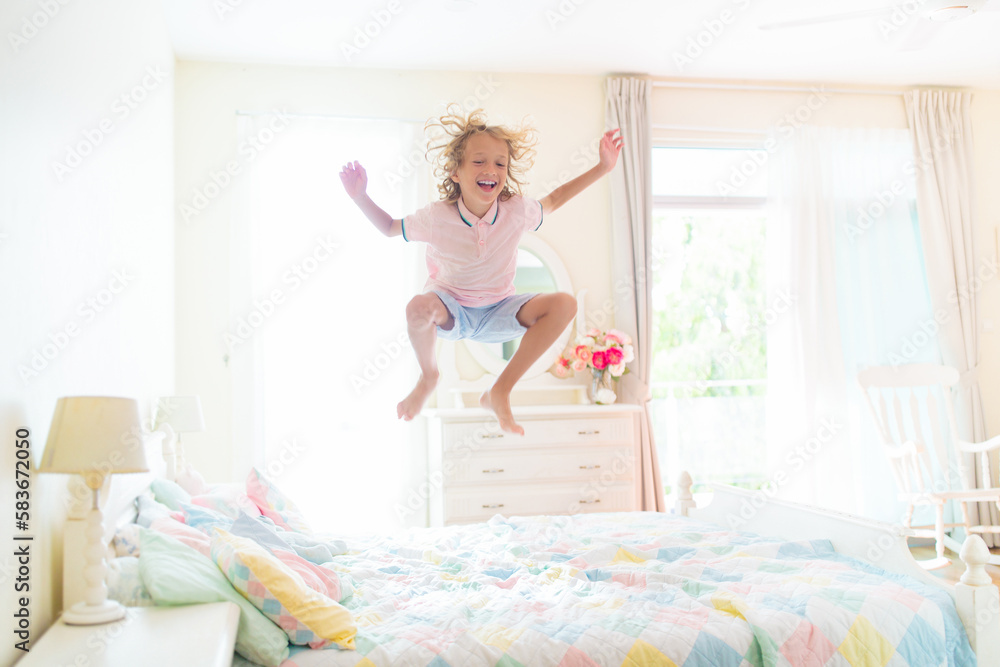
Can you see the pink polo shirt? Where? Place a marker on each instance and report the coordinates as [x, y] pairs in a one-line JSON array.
[[473, 259]]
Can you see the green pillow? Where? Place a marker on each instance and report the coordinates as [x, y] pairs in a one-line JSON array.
[[176, 574], [169, 493]]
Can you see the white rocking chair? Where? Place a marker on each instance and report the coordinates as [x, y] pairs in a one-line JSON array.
[[909, 452]]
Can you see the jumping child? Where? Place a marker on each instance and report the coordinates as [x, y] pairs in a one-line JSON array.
[[472, 234]]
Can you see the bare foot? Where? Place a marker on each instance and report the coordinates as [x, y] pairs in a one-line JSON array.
[[410, 407], [499, 403]]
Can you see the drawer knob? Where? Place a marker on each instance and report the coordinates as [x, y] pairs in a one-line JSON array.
[[590, 502], [590, 432], [496, 505], [493, 470], [593, 467]]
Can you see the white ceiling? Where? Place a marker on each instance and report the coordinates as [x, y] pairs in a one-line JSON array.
[[602, 37]]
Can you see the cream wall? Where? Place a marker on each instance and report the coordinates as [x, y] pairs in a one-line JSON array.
[[86, 261], [567, 111], [986, 133]]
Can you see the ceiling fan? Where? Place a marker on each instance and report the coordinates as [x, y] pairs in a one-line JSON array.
[[913, 22]]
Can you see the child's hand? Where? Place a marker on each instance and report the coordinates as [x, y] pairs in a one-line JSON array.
[[609, 149], [354, 178]]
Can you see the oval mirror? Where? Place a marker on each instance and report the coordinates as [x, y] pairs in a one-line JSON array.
[[539, 269]]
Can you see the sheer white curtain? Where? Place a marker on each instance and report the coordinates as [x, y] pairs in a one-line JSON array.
[[628, 101], [941, 130], [843, 242], [318, 307]]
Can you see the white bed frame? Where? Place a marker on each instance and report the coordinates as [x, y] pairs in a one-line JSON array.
[[879, 543], [882, 544]]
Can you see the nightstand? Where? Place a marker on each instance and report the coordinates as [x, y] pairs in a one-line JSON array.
[[198, 635]]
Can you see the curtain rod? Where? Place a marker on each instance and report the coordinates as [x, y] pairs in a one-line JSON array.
[[242, 112], [700, 128], [773, 89]]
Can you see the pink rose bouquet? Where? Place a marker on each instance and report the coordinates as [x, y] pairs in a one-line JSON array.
[[604, 353]]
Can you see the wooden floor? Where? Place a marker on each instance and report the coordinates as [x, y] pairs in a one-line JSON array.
[[952, 573]]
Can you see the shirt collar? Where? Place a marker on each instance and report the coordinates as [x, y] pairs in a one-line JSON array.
[[470, 218]]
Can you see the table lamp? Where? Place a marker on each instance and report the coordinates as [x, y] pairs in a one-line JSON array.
[[94, 436], [176, 415]]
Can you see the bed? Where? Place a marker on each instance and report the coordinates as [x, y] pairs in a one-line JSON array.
[[699, 586]]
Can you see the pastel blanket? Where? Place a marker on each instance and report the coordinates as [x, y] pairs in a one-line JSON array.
[[630, 589]]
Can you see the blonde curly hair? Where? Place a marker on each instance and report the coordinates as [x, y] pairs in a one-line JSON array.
[[450, 134]]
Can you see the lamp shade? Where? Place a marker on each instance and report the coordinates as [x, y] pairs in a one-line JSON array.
[[95, 434], [181, 413]]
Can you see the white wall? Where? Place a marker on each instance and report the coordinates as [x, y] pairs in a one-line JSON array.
[[64, 240], [568, 112], [986, 134]]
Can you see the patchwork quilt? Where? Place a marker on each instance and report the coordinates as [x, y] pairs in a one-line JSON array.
[[629, 589]]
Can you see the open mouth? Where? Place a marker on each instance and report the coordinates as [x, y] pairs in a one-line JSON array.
[[487, 186]]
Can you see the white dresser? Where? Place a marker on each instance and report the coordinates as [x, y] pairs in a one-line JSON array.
[[573, 458]]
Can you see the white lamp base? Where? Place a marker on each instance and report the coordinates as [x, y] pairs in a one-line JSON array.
[[93, 614], [95, 608]]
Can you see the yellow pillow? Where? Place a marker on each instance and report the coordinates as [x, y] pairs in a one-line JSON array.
[[307, 616]]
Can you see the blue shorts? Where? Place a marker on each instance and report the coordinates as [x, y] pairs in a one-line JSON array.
[[495, 323]]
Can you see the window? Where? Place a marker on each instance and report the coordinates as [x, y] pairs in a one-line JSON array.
[[709, 369], [329, 350]]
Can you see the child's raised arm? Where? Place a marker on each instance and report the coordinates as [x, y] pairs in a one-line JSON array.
[[610, 147], [355, 182]]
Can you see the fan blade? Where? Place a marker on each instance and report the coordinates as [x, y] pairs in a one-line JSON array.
[[830, 18]]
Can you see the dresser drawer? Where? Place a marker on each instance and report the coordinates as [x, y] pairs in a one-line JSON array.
[[482, 503], [606, 464], [477, 436]]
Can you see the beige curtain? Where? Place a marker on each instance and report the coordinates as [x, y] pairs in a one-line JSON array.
[[628, 108], [941, 127]]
